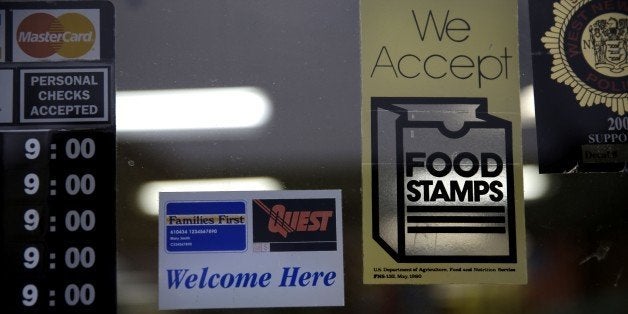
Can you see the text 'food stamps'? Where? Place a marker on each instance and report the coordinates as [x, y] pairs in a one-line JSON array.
[[442, 168]]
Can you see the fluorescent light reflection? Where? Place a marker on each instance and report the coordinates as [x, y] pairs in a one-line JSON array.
[[535, 185], [526, 99], [135, 288], [148, 195], [191, 109]]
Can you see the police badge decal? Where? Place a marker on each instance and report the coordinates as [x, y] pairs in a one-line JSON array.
[[589, 48]]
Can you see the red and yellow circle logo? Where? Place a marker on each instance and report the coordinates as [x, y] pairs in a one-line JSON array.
[[70, 35]]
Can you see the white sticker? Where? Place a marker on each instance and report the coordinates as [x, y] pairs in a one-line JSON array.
[[250, 249], [6, 96], [2, 36]]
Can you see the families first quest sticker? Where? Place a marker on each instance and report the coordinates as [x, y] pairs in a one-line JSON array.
[[442, 168], [250, 249]]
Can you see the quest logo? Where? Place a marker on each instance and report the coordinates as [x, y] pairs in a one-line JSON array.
[[294, 224], [70, 35]]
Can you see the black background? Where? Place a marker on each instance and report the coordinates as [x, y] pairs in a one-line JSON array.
[[562, 125]]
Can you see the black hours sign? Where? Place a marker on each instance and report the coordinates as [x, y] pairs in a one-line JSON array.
[[57, 152]]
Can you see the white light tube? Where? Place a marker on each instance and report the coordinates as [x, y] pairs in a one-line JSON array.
[[191, 109], [148, 194]]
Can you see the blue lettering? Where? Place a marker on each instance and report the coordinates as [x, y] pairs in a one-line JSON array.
[[176, 280], [246, 280], [190, 282], [291, 277], [201, 283], [228, 282], [205, 279], [303, 279], [264, 280], [287, 275], [330, 278], [211, 282]]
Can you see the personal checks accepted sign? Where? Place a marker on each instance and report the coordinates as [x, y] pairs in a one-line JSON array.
[[250, 249], [442, 179]]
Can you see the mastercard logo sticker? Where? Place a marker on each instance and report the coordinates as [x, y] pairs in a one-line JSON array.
[[70, 35]]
